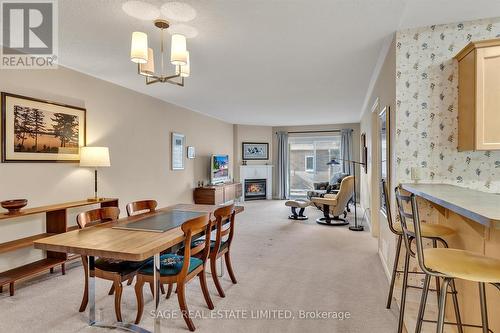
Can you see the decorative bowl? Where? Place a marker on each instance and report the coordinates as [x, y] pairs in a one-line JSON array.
[[14, 206]]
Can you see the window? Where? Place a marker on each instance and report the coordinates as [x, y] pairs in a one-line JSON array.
[[308, 158], [309, 163]]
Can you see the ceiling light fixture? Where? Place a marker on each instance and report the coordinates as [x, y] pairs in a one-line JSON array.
[[143, 56]]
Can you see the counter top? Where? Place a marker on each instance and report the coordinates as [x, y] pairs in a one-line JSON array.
[[478, 206]]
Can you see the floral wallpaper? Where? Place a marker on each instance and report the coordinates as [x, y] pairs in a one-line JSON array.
[[426, 107]]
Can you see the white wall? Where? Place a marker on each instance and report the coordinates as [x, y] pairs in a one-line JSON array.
[[137, 130], [384, 93], [250, 133]]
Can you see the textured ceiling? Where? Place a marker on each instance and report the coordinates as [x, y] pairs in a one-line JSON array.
[[281, 62]]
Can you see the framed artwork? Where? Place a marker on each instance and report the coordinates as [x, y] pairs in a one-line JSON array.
[[384, 151], [255, 151], [178, 151], [35, 130], [364, 152], [191, 152]]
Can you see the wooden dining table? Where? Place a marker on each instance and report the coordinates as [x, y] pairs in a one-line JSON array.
[[112, 240]]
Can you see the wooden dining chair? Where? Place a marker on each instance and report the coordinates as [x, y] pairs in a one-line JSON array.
[[141, 207], [116, 271], [221, 246], [175, 268]]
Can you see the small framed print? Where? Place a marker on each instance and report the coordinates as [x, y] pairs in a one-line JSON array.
[[35, 130], [191, 152], [255, 151], [178, 151]]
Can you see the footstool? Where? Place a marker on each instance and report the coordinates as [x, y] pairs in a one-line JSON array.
[[294, 204]]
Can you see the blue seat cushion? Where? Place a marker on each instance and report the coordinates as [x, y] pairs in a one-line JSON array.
[[170, 264], [118, 266], [212, 243]]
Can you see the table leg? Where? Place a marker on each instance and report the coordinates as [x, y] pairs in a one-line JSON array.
[[221, 270], [91, 289], [156, 279]]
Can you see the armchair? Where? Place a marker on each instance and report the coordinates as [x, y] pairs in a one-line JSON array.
[[323, 188], [334, 205]]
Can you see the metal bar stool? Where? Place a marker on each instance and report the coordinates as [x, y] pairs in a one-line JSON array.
[[433, 232], [448, 264]]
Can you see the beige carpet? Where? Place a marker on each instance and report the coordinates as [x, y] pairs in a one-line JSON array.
[[280, 265]]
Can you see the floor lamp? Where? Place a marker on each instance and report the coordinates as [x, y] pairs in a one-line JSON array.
[[335, 161]]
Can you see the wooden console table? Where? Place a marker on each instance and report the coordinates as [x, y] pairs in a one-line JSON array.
[[56, 223], [217, 194]]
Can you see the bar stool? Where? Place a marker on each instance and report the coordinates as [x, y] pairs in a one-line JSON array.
[[447, 264], [433, 232]]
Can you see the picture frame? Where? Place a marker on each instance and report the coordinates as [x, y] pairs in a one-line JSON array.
[[177, 150], [40, 131], [255, 151], [364, 153], [191, 152], [384, 151]]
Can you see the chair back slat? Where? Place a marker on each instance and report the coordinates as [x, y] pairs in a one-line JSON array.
[[224, 228], [97, 216], [141, 207], [192, 227], [390, 221]]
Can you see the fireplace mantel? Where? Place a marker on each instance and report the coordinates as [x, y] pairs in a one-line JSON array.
[[258, 172]]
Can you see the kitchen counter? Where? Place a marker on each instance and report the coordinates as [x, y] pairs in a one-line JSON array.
[[477, 206]]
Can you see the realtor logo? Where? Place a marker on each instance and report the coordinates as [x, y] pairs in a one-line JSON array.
[[29, 34]]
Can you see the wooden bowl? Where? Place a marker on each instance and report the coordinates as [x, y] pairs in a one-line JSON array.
[[14, 206]]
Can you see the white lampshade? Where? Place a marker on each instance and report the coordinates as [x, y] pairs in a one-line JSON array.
[[184, 70], [94, 157], [149, 67], [139, 48], [178, 52]]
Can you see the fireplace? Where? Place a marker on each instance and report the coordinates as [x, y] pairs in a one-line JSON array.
[[255, 189]]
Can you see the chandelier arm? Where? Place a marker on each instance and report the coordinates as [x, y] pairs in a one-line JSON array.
[[148, 81], [181, 84]]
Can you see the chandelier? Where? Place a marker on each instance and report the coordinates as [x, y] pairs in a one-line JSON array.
[[143, 56]]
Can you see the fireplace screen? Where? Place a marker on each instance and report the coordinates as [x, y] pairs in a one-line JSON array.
[[255, 189]]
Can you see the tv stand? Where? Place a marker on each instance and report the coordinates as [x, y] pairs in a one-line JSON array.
[[217, 194]]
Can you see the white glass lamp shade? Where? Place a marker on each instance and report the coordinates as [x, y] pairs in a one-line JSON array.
[[139, 48], [184, 70], [178, 52], [94, 157], [148, 68]]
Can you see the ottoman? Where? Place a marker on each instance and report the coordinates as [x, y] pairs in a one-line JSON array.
[[294, 204]]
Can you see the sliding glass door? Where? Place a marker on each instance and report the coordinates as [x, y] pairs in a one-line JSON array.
[[308, 158]]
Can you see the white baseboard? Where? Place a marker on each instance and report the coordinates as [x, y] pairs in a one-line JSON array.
[[385, 267]]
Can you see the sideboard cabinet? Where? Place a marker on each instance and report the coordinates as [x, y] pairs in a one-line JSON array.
[[479, 96], [217, 194]]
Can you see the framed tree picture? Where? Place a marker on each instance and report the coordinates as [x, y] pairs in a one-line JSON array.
[[178, 151], [35, 130], [255, 151]]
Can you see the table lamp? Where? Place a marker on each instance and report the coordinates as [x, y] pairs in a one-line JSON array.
[[94, 157]]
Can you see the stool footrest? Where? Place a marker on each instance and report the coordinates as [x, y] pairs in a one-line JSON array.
[[455, 324]]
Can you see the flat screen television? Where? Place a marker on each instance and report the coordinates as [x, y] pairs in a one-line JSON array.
[[219, 169]]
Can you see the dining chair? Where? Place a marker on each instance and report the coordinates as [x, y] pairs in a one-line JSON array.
[[141, 207], [221, 246], [175, 268], [116, 271]]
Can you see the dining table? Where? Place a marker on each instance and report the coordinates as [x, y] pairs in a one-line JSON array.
[[133, 238]]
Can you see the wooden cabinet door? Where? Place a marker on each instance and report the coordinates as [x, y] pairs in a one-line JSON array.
[[488, 98]]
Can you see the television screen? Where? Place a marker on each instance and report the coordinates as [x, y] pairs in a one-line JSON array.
[[220, 168]]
